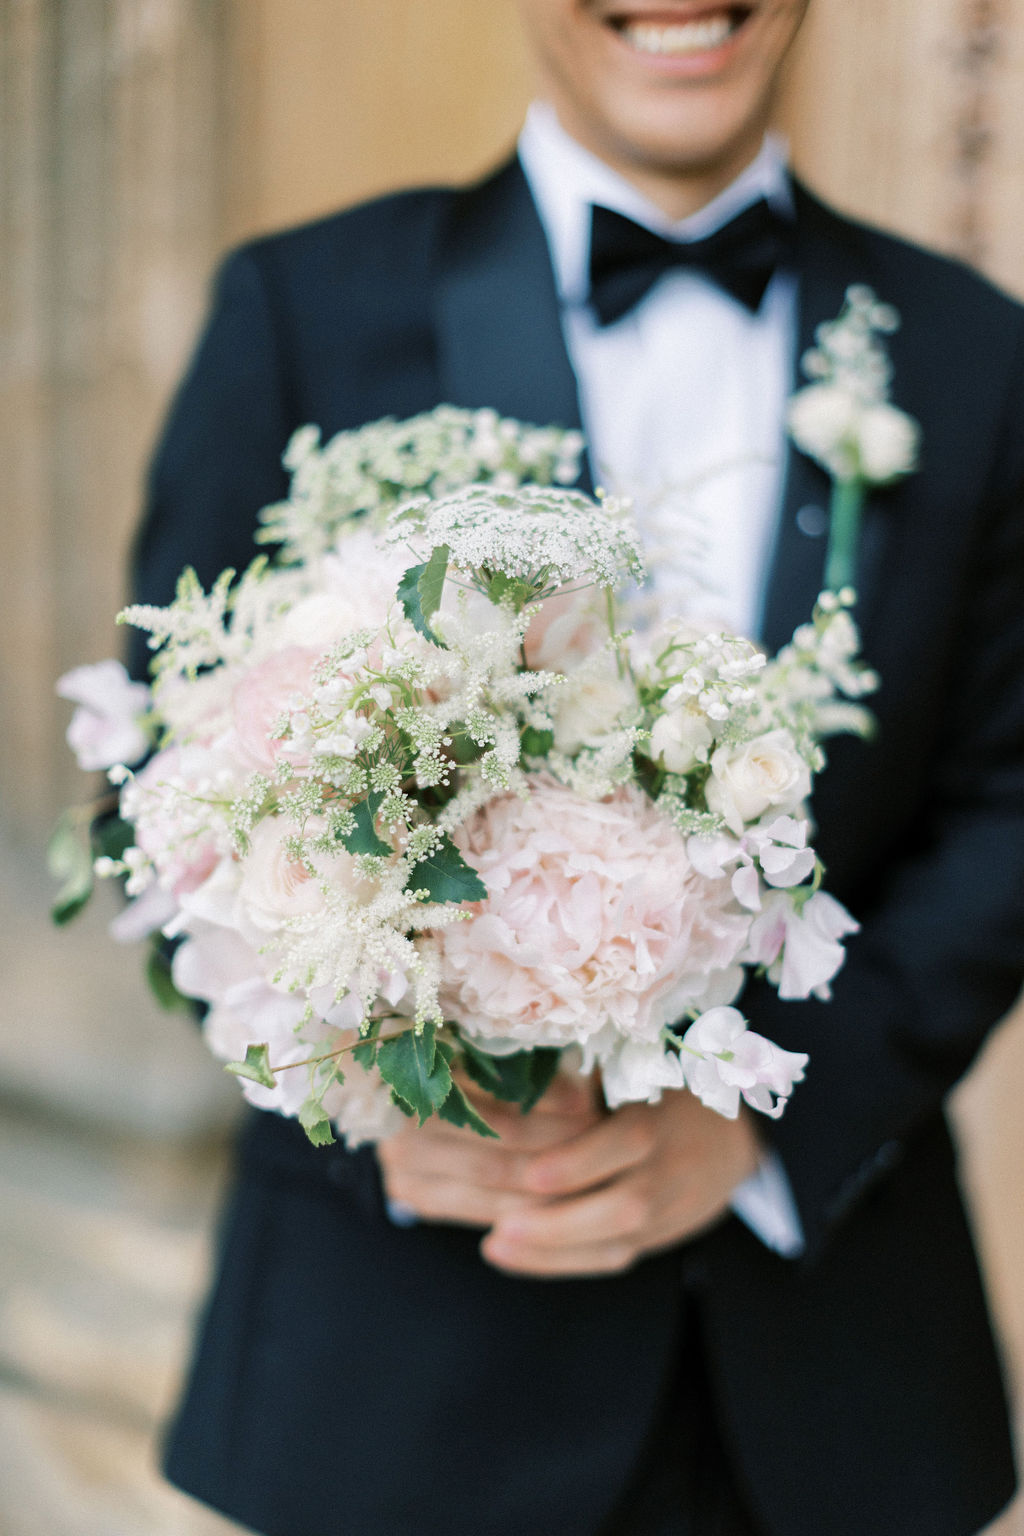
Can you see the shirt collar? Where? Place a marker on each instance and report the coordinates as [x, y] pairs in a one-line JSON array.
[[567, 179]]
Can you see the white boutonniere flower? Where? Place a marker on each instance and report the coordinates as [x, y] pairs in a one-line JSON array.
[[846, 421]]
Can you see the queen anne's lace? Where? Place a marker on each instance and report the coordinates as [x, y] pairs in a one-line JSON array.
[[541, 536]]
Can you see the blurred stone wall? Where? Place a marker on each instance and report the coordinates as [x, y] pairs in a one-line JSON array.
[[139, 138]]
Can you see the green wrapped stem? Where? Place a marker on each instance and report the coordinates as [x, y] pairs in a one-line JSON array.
[[844, 534]]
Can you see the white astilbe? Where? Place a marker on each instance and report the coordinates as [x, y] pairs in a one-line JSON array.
[[596, 772], [543, 537], [369, 471]]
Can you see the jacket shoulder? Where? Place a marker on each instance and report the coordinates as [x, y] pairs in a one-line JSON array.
[[382, 234], [926, 280]]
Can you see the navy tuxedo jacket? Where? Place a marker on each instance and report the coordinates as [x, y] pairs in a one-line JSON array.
[[358, 1379]]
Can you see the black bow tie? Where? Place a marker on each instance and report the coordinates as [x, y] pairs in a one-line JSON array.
[[626, 260]]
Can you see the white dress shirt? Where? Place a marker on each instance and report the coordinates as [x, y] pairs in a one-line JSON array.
[[683, 398], [683, 402]]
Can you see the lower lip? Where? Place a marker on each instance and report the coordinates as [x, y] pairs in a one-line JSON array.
[[708, 62]]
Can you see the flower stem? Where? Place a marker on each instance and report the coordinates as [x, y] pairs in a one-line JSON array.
[[844, 534], [353, 1045]]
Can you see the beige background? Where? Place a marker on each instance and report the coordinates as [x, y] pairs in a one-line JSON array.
[[138, 139]]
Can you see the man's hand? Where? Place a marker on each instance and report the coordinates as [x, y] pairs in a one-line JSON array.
[[571, 1190]]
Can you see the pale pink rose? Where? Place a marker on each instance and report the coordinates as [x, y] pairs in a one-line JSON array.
[[275, 888], [266, 692], [595, 918], [105, 728], [569, 627]]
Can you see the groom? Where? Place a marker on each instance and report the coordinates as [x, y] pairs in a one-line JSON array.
[[659, 1322]]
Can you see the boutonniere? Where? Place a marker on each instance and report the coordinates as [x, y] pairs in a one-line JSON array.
[[845, 420]]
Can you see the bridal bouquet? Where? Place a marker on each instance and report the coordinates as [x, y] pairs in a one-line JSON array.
[[416, 798]]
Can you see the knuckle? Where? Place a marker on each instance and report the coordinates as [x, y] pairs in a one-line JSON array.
[[641, 1141], [398, 1185], [633, 1214], [545, 1174], [620, 1258]]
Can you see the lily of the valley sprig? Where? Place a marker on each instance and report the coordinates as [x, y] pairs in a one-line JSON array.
[[845, 420]]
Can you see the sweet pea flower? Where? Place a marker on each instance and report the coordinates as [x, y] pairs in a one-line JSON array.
[[723, 1061], [801, 946], [638, 1072], [105, 729]]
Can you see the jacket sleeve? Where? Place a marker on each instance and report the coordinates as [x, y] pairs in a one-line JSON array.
[[219, 459], [941, 954]]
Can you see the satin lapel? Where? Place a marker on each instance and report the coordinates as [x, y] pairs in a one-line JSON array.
[[499, 331], [829, 257]]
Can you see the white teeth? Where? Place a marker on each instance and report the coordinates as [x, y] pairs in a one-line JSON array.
[[681, 37]]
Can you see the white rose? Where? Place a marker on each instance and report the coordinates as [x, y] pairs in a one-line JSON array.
[[887, 441], [680, 739], [747, 780], [821, 417], [592, 704]]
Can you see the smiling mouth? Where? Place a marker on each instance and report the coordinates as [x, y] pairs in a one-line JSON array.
[[678, 38]]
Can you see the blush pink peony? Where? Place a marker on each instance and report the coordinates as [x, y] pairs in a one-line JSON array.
[[596, 923]]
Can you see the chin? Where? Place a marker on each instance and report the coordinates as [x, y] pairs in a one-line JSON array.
[[685, 137], [663, 84]]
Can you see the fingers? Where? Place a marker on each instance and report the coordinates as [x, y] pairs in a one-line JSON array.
[[564, 1263], [453, 1201], [458, 1157], [617, 1213], [600, 1233], [611, 1147]]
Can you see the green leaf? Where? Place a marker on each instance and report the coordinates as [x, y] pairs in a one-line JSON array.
[[431, 582], [417, 1072], [161, 982], [522, 1078], [459, 1111], [366, 1053], [501, 586], [363, 837], [419, 592], [537, 743], [315, 1123], [256, 1066], [69, 860], [445, 876], [111, 836]]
